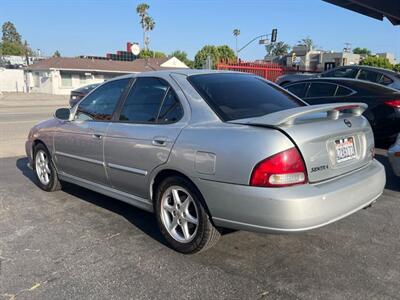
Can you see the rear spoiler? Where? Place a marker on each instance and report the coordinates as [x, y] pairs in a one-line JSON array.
[[288, 116]]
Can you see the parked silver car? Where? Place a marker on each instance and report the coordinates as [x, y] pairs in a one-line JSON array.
[[206, 150], [394, 156]]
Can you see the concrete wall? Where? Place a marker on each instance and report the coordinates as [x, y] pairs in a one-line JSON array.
[[12, 80]]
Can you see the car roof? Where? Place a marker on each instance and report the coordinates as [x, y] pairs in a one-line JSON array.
[[349, 82], [365, 67], [186, 72]]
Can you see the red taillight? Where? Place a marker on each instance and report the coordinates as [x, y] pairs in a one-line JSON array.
[[393, 103], [283, 169]]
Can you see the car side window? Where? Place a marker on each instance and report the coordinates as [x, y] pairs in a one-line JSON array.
[[369, 76], [341, 72], [385, 80], [343, 91], [101, 103], [171, 110], [319, 89], [144, 101], [299, 89]]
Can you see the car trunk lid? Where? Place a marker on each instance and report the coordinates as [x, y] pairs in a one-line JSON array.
[[333, 139]]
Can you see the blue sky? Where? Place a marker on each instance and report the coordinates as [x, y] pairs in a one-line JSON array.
[[95, 27]]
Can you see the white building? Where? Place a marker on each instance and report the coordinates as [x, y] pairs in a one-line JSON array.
[[60, 75]]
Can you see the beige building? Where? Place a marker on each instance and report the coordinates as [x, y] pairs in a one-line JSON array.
[[390, 57], [59, 76]]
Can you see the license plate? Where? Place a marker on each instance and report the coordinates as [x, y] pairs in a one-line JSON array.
[[345, 149]]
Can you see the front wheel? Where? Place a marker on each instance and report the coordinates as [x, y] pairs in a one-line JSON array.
[[44, 169], [182, 216]]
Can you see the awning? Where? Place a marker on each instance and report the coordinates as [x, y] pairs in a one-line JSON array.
[[377, 9]]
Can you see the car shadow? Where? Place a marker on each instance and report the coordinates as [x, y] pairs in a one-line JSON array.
[[141, 219], [392, 181], [144, 221]]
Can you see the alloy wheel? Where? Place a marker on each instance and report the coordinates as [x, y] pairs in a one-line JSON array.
[[179, 214]]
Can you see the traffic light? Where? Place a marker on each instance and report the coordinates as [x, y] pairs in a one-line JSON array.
[[274, 35]]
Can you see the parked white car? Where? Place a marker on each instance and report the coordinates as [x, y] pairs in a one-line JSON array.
[[394, 156]]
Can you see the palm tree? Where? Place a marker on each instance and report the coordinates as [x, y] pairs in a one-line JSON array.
[[149, 25], [236, 33], [141, 10]]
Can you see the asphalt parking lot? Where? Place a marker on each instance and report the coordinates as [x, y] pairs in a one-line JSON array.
[[77, 244]]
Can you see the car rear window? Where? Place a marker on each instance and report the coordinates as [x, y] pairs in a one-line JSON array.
[[239, 96]]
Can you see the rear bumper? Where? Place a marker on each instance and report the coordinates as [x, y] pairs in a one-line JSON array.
[[296, 208]]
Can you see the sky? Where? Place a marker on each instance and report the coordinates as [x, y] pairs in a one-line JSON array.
[[97, 27]]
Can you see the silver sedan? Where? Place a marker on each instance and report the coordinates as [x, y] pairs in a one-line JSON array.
[[206, 150]]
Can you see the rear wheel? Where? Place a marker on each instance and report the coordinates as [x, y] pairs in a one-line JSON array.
[[182, 217], [44, 169]]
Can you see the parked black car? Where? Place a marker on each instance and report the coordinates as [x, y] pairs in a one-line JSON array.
[[377, 75], [78, 94], [383, 111]]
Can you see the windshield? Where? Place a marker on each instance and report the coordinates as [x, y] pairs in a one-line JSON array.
[[235, 96]]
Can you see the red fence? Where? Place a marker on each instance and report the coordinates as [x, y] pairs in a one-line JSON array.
[[268, 71]]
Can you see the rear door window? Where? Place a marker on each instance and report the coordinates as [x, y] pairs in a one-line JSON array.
[[385, 80], [299, 89], [239, 96], [341, 72], [320, 89], [343, 91], [144, 100], [369, 76]]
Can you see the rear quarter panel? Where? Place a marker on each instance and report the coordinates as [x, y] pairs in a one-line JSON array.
[[224, 152]]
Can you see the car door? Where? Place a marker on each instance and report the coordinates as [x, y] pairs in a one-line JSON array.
[[79, 143], [148, 124]]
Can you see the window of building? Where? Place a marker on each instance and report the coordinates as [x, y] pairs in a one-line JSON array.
[[82, 78], [66, 79]]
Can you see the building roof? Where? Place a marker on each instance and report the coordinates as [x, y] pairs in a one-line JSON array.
[[84, 64]]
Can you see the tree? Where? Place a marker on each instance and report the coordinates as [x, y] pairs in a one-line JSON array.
[[11, 43], [226, 54], [151, 54], [8, 48], [236, 33], [10, 34], [377, 61], [182, 56], [57, 54], [277, 49], [396, 68], [359, 50], [146, 22], [308, 42], [217, 54]]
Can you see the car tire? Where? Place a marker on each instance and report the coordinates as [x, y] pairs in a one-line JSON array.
[[43, 167], [182, 216]]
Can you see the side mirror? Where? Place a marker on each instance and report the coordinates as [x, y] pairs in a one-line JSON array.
[[62, 114]]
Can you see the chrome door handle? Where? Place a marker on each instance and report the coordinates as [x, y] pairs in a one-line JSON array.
[[97, 136], [160, 141]]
